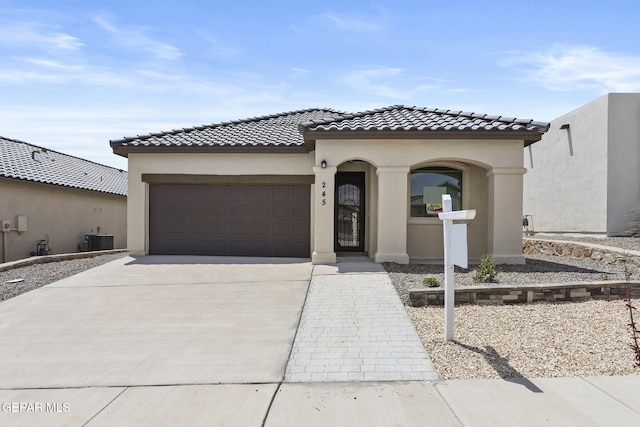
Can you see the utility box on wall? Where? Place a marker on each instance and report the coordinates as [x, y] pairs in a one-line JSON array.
[[22, 223]]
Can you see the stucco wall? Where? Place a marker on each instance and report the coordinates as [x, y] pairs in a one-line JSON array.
[[585, 179], [409, 152], [64, 214], [623, 160], [481, 157], [565, 187]]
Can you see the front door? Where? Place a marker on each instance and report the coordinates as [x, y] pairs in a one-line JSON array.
[[349, 212]]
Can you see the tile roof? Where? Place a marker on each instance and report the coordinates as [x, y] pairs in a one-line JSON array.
[[264, 131], [408, 118], [28, 162], [291, 129]]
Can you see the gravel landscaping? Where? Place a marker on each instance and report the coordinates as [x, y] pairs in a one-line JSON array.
[[588, 338], [529, 340], [34, 276], [538, 269]]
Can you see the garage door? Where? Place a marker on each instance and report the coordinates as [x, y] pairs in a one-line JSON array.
[[238, 220]]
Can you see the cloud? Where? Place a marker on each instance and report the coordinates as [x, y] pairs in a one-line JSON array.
[[395, 82], [53, 65], [299, 72], [567, 68], [353, 24], [377, 81], [150, 80], [36, 70], [23, 34], [220, 48], [136, 38]]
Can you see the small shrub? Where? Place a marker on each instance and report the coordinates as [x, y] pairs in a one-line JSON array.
[[487, 271], [431, 282]]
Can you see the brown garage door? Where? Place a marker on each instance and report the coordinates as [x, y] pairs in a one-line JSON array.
[[239, 220]]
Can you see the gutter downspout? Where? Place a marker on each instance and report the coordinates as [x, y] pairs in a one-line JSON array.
[[4, 246]]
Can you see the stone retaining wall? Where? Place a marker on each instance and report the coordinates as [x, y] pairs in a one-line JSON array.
[[580, 250], [554, 292]]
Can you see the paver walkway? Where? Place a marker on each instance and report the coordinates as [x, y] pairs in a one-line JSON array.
[[354, 328]]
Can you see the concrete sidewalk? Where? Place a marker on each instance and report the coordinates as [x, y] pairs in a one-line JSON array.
[[597, 401], [601, 401], [166, 341]]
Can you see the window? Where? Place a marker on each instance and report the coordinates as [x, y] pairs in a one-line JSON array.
[[427, 187]]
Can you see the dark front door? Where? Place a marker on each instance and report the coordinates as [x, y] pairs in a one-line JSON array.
[[349, 219]]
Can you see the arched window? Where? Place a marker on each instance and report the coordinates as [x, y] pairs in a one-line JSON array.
[[428, 184]]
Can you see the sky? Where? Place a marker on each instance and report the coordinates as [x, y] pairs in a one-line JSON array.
[[76, 74]]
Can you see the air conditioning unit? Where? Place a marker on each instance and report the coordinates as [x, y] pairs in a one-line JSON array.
[[98, 242]]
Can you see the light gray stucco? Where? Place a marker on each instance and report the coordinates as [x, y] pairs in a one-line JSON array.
[[586, 178], [624, 159]]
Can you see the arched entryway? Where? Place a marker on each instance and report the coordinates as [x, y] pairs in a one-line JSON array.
[[350, 211]]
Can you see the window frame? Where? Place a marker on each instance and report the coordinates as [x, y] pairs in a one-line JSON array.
[[462, 167]]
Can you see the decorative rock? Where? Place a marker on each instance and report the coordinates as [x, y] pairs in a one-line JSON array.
[[525, 293], [578, 250]]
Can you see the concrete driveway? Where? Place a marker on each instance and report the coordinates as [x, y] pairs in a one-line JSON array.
[[156, 321]]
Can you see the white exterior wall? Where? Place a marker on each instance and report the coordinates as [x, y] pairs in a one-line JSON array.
[[585, 179], [623, 160], [565, 188]]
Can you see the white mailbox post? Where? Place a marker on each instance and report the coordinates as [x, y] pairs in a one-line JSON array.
[[455, 252]]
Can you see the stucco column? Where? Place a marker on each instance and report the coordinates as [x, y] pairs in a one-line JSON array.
[[505, 215], [137, 213], [392, 215], [323, 218]]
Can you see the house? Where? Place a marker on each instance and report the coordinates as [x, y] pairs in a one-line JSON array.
[[584, 175], [318, 182], [58, 199]]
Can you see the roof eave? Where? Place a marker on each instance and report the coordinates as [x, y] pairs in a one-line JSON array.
[[74, 187], [124, 150], [310, 137]]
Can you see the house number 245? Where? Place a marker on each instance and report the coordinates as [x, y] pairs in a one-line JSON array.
[[324, 193]]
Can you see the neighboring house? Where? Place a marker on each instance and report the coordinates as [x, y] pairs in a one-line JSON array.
[[584, 175], [50, 196], [318, 182]]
